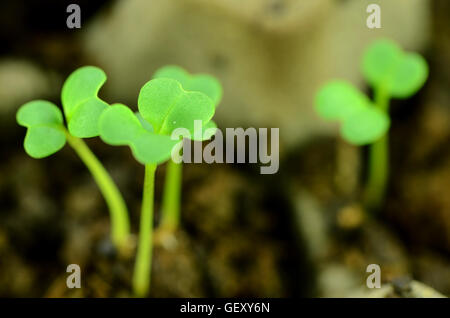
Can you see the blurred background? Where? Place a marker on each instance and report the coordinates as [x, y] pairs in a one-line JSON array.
[[300, 232]]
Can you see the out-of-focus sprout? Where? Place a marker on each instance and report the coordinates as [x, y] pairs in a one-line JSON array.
[[392, 73]]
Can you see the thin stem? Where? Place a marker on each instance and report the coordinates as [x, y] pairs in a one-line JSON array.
[[171, 197], [120, 226], [378, 160], [143, 265]]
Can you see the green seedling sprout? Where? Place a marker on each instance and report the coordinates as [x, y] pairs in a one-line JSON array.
[[210, 86], [392, 73], [163, 107], [46, 134]]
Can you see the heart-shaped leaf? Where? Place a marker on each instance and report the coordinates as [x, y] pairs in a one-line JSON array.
[[45, 134], [409, 77], [379, 60], [119, 126], [339, 99], [365, 126], [167, 106], [43, 141], [385, 66], [203, 83], [81, 104]]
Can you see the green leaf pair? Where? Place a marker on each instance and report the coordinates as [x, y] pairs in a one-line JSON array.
[[82, 108], [361, 122], [173, 99], [391, 72], [387, 67], [163, 107], [119, 126]]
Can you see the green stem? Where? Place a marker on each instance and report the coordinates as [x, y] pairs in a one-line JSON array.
[[378, 160], [171, 197], [143, 265], [120, 226]]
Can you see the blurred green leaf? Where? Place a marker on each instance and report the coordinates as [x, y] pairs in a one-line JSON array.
[[365, 126], [167, 106], [409, 77], [385, 66], [339, 99], [203, 83], [379, 61], [45, 134], [119, 126]]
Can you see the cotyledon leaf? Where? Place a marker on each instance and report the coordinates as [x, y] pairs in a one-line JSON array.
[[84, 83], [81, 105], [42, 141], [379, 61], [410, 75], [39, 112], [203, 83], [167, 106], [45, 133], [339, 99], [119, 126], [152, 148], [365, 126], [386, 66]]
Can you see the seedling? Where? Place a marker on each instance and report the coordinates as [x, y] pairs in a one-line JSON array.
[[46, 134], [163, 107], [210, 86], [392, 73]]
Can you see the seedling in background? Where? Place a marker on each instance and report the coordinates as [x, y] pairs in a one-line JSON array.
[[47, 134], [163, 107], [210, 86], [392, 73]]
